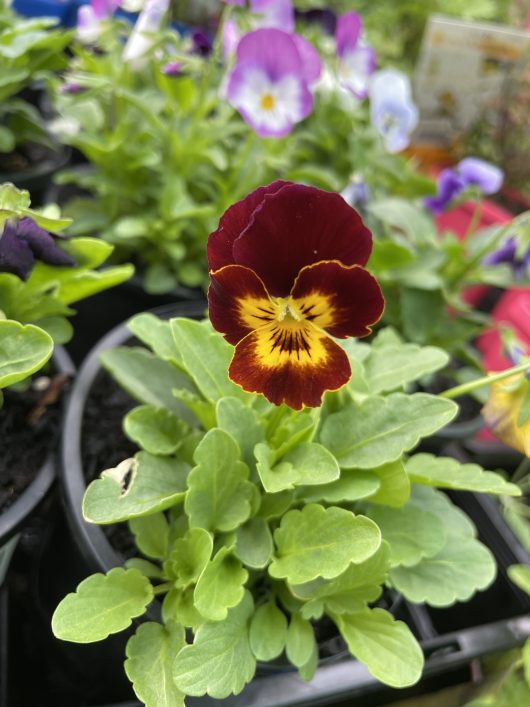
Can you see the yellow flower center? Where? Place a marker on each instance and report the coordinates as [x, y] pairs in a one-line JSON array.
[[267, 101]]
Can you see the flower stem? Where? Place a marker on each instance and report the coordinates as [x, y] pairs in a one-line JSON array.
[[522, 471], [459, 390], [163, 588]]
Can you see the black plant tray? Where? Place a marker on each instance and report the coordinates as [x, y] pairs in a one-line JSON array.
[[452, 639]]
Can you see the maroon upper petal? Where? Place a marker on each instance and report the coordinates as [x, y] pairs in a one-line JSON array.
[[232, 224], [296, 226]]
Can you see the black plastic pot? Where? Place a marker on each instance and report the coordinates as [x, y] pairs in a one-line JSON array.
[[451, 638], [16, 516]]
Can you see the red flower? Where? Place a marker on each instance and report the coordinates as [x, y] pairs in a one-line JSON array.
[[286, 276]]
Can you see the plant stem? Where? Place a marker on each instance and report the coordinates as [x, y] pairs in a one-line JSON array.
[[163, 588], [459, 390], [522, 470]]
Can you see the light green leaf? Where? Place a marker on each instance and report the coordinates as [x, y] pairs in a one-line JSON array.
[[23, 350], [307, 671], [353, 485], [178, 606], [406, 217], [254, 543], [379, 430], [411, 533], [461, 568], [128, 366], [148, 569], [155, 333], [156, 430], [102, 604], [455, 521], [206, 357], [190, 555], [392, 367], [220, 661], [274, 505], [520, 575], [307, 464], [150, 655], [350, 591], [321, 542], [268, 632], [219, 496], [394, 484], [294, 427], [386, 646], [241, 423], [300, 641], [151, 534], [526, 662], [136, 487], [448, 473], [220, 586]]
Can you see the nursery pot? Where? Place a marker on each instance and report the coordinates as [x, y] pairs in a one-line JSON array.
[[13, 519], [37, 176]]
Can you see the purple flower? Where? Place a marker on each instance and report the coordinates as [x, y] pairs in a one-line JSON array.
[[469, 172], [230, 38], [393, 112], [172, 68], [507, 253], [356, 58], [269, 85], [356, 193], [202, 43], [72, 87], [23, 242], [90, 16], [241, 3], [278, 14]]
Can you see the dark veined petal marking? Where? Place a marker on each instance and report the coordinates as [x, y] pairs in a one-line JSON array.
[[289, 362], [345, 301], [238, 302]]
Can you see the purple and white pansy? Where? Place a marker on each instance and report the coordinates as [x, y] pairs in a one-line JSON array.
[[89, 19], [393, 112], [357, 59], [471, 171], [269, 85]]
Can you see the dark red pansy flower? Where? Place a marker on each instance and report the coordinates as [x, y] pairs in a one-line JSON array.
[[286, 267]]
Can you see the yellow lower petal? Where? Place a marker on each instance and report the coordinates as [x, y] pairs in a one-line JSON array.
[[501, 413]]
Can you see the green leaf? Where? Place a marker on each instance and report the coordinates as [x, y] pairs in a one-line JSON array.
[[219, 496], [178, 606], [206, 357], [148, 569], [394, 484], [190, 555], [128, 366], [220, 661], [102, 604], [241, 423], [350, 591], [379, 430], [353, 485], [274, 505], [300, 641], [136, 487], [157, 430], [526, 662], [448, 473], [411, 533], [23, 350], [520, 575], [524, 411], [155, 333], [392, 367], [254, 543], [220, 586], [150, 655], [405, 217], [321, 542], [307, 671], [455, 521], [268, 632], [151, 534], [386, 646], [461, 568], [307, 464]]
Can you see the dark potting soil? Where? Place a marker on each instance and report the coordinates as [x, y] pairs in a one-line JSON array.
[[23, 158], [29, 425], [104, 445]]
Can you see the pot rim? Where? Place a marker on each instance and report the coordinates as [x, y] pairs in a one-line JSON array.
[[99, 553]]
